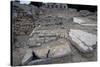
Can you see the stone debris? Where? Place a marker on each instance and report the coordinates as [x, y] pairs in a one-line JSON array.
[[40, 61], [17, 56], [41, 52], [61, 48], [54, 32], [33, 31], [45, 36], [49, 39], [27, 57], [32, 42], [84, 41], [57, 48]]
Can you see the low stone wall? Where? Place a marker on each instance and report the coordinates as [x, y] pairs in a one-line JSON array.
[[23, 25]]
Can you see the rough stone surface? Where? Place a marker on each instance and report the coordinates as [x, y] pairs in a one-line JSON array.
[[57, 48], [18, 55], [41, 52], [85, 21], [35, 40], [27, 57], [45, 36], [60, 32], [32, 42], [82, 40], [84, 12], [61, 48]]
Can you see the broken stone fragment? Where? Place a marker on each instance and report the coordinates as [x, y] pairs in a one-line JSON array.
[[41, 52], [61, 48], [57, 48], [32, 42], [83, 41], [41, 61], [49, 39], [27, 57], [40, 40], [35, 41]]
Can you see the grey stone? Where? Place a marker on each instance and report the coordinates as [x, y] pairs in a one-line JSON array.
[[84, 12], [84, 21], [57, 48], [35, 40], [54, 32], [41, 52], [84, 41], [49, 39], [32, 42], [41, 61], [40, 40], [27, 57], [60, 48]]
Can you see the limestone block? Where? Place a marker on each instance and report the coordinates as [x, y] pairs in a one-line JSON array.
[[84, 41]]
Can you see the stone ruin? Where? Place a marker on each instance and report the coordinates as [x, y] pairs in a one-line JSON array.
[[53, 36]]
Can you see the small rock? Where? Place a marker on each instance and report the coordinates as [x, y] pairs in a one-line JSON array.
[[32, 42], [40, 40], [35, 41]]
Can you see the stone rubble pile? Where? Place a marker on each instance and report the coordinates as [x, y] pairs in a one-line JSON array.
[[44, 36], [58, 48]]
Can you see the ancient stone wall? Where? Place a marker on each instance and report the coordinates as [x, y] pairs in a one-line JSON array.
[[22, 19]]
